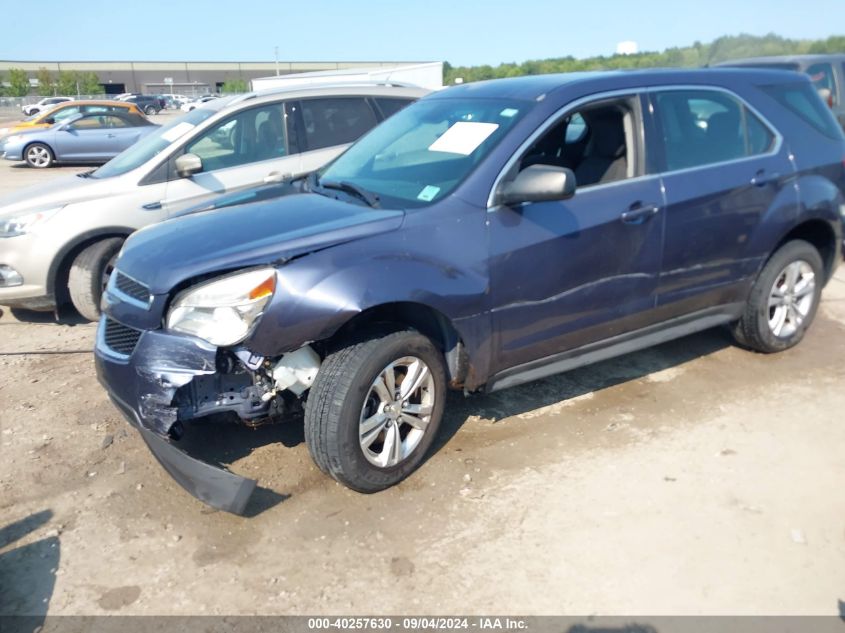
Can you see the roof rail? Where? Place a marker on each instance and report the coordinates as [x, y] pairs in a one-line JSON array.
[[319, 85]]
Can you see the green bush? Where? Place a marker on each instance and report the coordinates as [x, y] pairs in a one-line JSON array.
[[18, 82], [234, 86]]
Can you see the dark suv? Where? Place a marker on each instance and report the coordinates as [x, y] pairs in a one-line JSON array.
[[489, 235], [827, 72], [148, 104]]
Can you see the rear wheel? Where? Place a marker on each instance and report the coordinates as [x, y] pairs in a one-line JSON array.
[[149, 110], [375, 408], [38, 155], [89, 275], [784, 299]]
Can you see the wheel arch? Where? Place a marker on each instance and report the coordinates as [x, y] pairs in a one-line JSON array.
[[57, 277], [422, 317], [821, 234], [39, 142]]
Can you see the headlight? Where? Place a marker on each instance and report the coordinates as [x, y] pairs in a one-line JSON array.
[[14, 138], [18, 225], [223, 311]]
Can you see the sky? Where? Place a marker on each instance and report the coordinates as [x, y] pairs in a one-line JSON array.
[[460, 32]]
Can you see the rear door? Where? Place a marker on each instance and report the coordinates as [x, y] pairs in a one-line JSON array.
[[722, 168], [242, 150]]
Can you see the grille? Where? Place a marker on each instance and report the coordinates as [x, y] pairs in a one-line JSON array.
[[120, 338], [132, 288]]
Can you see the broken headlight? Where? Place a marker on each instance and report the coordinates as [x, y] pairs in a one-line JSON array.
[[223, 311]]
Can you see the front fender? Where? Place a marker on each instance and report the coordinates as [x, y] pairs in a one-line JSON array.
[[440, 263]]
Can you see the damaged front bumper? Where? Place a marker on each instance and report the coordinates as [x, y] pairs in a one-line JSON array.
[[143, 371]]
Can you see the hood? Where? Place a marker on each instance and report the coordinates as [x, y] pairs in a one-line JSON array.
[[55, 193], [163, 255]]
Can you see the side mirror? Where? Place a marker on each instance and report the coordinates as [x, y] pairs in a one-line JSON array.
[[539, 183], [187, 165], [49, 120]]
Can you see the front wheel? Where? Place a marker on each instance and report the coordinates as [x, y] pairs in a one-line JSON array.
[[38, 155], [89, 275], [375, 408], [784, 299]]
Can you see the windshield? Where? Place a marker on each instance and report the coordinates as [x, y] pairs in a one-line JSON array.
[[424, 151], [149, 146]]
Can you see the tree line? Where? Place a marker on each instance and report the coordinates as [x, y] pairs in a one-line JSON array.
[[65, 82], [719, 50]]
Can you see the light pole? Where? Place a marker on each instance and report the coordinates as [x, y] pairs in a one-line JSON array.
[[277, 61]]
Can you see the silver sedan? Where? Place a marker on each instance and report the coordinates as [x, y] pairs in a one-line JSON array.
[[84, 138]]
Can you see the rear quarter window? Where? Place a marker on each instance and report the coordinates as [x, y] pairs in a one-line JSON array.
[[804, 102]]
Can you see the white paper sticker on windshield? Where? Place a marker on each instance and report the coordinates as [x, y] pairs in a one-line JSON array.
[[177, 131], [428, 193], [509, 112], [463, 137]]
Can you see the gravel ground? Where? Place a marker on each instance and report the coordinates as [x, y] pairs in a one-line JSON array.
[[692, 478]]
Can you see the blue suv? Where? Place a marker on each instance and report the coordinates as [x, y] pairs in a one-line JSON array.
[[489, 235]]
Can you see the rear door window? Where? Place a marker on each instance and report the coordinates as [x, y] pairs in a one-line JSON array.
[[335, 120], [391, 105], [704, 127]]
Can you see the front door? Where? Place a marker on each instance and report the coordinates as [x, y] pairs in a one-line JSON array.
[[568, 273], [86, 139], [242, 151]]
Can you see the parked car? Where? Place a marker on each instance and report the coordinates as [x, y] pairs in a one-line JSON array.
[[61, 237], [193, 105], [147, 103], [59, 113], [471, 242], [174, 102], [45, 104], [88, 138], [827, 72]]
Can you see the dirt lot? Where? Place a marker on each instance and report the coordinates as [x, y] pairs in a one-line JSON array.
[[693, 478]]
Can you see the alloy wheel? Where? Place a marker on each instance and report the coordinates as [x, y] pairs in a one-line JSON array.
[[396, 411], [791, 298], [38, 156]]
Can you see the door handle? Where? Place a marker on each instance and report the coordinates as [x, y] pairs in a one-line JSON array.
[[152, 206], [639, 213], [761, 178], [110, 135]]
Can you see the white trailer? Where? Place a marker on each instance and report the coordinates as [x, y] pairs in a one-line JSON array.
[[427, 75]]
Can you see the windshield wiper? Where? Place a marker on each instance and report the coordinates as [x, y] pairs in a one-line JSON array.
[[369, 197]]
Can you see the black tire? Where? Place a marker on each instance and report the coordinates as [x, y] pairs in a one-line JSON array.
[[89, 274], [150, 110], [753, 330], [336, 402], [39, 156]]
